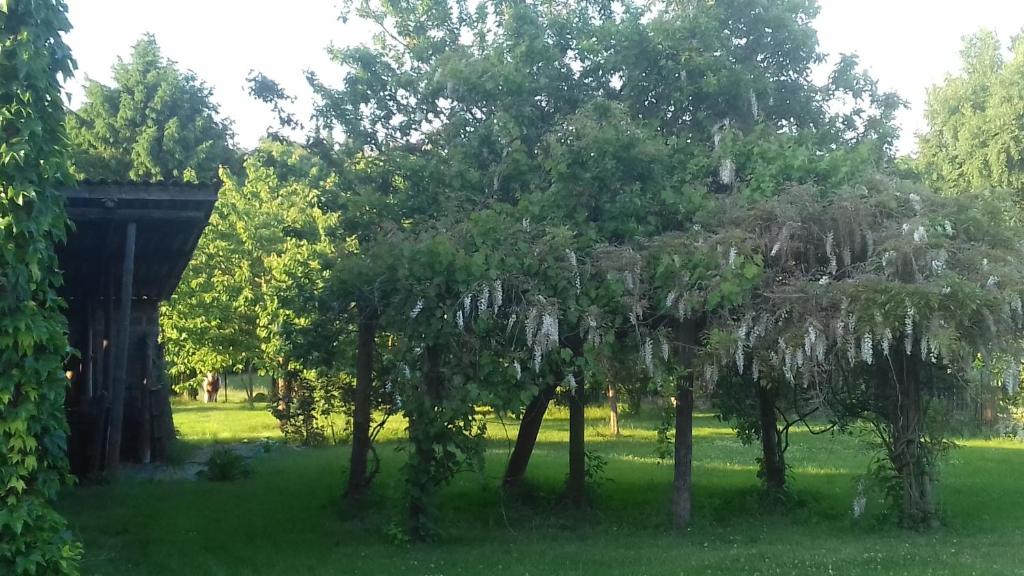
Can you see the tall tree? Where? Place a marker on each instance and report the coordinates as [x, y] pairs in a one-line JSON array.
[[33, 342], [243, 292], [975, 138], [155, 123]]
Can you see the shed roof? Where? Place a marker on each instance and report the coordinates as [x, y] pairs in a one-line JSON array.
[[169, 221]]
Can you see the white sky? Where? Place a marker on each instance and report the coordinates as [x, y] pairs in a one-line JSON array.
[[908, 45]]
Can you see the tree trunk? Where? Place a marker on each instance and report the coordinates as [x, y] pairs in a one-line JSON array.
[[526, 439], [613, 410], [358, 476], [421, 482], [682, 484], [907, 451], [576, 486], [773, 465]]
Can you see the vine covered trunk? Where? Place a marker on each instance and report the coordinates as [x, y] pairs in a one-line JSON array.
[[359, 476], [526, 439], [908, 452], [773, 463], [423, 427], [682, 483]]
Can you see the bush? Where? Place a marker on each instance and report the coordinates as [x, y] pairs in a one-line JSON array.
[[226, 465]]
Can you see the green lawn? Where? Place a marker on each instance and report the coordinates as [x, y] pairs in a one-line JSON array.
[[286, 518]]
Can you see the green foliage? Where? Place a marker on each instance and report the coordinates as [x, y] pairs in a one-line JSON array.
[[156, 123], [243, 292], [974, 139], [34, 60], [226, 465]]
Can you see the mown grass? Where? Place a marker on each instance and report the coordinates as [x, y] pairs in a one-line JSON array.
[[287, 518]]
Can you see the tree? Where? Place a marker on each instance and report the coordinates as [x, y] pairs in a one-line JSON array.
[[34, 60], [872, 295], [596, 127], [246, 289], [156, 123], [974, 139]]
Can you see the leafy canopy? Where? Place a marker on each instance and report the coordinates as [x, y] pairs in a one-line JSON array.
[[156, 123]]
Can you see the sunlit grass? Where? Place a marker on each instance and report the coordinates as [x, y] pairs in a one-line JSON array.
[[287, 518]]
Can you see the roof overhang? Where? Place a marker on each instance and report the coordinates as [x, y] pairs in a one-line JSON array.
[[169, 220]]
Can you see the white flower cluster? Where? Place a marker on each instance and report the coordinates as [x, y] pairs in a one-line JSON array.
[[416, 309], [733, 253], [915, 200], [593, 332], [920, 235], [908, 329], [830, 252], [867, 348], [575, 269], [1011, 377], [570, 383], [542, 332], [647, 355], [727, 172]]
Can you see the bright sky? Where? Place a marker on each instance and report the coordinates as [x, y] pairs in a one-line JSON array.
[[908, 45]]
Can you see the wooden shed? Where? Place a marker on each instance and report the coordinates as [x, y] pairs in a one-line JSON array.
[[129, 245]]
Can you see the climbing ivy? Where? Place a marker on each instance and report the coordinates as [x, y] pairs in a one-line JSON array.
[[33, 341]]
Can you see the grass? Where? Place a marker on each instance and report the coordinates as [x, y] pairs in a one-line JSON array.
[[286, 518]]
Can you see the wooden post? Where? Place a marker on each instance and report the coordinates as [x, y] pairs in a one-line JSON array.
[[101, 393], [145, 400], [86, 392], [120, 355]]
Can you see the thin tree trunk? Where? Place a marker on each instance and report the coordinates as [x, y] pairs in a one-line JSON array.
[[576, 487], [526, 439], [682, 484], [358, 477], [613, 410], [773, 466]]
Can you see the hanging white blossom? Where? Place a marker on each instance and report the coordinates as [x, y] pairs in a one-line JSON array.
[[733, 252], [908, 329], [886, 341], [920, 235], [867, 347], [671, 298], [831, 252], [575, 270], [497, 295], [460, 320], [483, 300], [416, 309], [992, 282], [915, 201], [647, 355], [727, 172], [570, 383], [517, 370]]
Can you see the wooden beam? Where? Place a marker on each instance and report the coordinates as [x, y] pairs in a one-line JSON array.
[[175, 193], [134, 214], [121, 345]]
